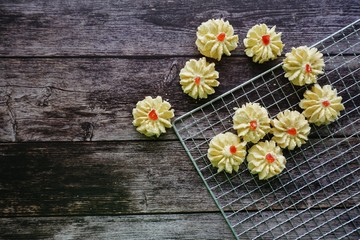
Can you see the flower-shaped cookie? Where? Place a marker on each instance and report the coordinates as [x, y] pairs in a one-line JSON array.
[[265, 159], [251, 122], [198, 78], [290, 129], [216, 37], [321, 105], [226, 152], [263, 44], [303, 64], [152, 116]]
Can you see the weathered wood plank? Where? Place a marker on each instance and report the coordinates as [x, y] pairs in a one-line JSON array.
[[91, 99], [132, 28], [151, 177], [172, 226]]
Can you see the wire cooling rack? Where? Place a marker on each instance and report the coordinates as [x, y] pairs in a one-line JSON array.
[[318, 194]]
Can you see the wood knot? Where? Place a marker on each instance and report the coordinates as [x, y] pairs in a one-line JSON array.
[[172, 74], [88, 130], [43, 100]]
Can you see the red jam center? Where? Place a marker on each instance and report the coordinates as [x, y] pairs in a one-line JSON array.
[[266, 39], [308, 68], [197, 80], [152, 115], [326, 103], [253, 125], [291, 131], [232, 149], [221, 37], [270, 158]]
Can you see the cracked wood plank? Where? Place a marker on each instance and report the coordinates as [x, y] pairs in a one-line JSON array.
[[157, 28], [106, 178], [91, 99]]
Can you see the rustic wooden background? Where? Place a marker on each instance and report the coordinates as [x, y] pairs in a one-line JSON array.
[[71, 163]]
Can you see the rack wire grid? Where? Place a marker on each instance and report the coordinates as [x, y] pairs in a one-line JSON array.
[[317, 196]]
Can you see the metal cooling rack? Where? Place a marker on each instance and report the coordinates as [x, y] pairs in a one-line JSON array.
[[322, 173]]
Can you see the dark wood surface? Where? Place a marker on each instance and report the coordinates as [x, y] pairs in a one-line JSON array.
[[72, 166]]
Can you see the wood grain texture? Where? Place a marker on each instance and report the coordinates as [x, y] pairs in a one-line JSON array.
[[171, 226], [162, 226], [45, 179], [135, 28], [73, 71], [84, 99]]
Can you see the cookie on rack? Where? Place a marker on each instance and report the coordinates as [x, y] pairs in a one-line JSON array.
[[321, 105], [263, 44], [290, 129], [226, 152], [265, 159], [152, 116], [215, 37], [303, 65], [198, 78], [251, 122]]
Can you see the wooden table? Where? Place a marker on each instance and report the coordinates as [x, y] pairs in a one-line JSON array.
[[72, 166]]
